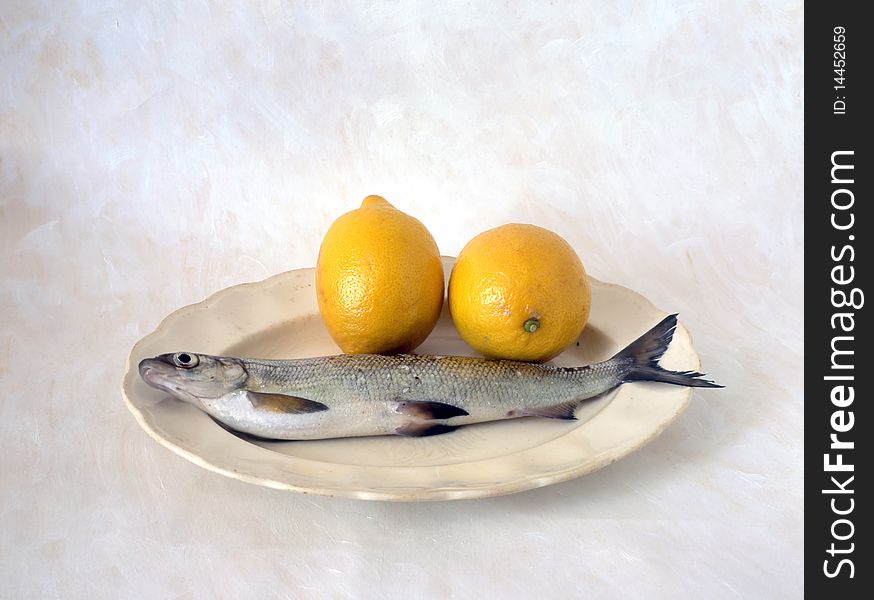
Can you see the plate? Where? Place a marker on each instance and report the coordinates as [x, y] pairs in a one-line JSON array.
[[279, 318]]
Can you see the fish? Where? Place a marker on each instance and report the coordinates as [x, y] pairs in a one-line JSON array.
[[413, 395]]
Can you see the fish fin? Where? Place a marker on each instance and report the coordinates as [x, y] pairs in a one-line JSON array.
[[564, 411], [242, 434], [429, 411], [646, 351], [281, 403], [424, 429]]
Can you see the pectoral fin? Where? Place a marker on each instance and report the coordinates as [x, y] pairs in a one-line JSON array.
[[243, 434], [280, 403], [429, 411], [565, 411]]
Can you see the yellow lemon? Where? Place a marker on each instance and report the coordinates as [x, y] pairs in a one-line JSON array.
[[519, 292], [379, 280]]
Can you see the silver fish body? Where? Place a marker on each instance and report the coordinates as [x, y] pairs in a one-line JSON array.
[[363, 395]]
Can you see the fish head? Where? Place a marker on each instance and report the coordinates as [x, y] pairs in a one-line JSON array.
[[192, 377]]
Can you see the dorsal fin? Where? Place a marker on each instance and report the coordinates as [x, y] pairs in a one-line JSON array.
[[281, 403]]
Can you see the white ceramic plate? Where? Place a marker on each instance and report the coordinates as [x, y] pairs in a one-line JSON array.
[[279, 318]]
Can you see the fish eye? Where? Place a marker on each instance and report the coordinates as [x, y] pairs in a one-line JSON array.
[[185, 360]]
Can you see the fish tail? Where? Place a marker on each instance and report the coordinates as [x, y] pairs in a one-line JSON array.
[[645, 352]]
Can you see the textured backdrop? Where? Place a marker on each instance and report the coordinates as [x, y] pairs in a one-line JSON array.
[[153, 153]]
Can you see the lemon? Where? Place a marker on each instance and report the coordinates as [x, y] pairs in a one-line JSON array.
[[519, 292], [379, 280]]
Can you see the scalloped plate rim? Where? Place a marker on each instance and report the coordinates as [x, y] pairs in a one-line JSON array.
[[391, 493]]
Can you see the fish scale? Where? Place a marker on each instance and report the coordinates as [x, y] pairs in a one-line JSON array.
[[452, 379]]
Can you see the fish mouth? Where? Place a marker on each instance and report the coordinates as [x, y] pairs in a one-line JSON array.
[[161, 376], [154, 373]]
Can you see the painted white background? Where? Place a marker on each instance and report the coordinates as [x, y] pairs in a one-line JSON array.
[[154, 153]]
